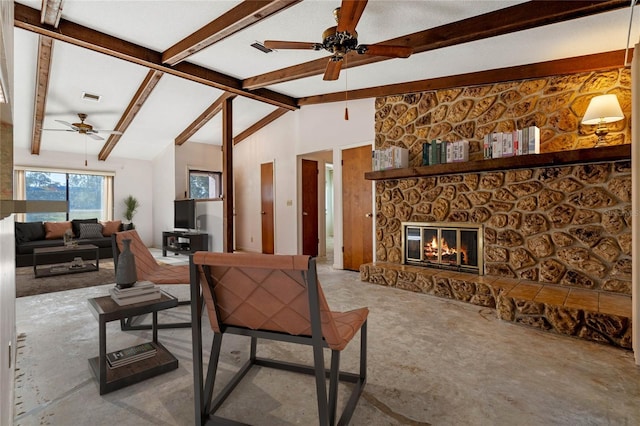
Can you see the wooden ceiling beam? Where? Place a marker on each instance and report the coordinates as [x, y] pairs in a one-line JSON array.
[[260, 124], [520, 17], [29, 19], [586, 63], [242, 16], [51, 12], [43, 68], [204, 118], [141, 96]]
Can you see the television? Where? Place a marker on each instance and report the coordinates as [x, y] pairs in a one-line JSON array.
[[184, 214]]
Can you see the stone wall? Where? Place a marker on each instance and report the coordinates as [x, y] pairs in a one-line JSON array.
[[555, 104], [568, 225]]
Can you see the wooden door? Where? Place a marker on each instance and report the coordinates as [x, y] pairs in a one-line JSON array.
[[357, 208], [310, 239], [266, 207]]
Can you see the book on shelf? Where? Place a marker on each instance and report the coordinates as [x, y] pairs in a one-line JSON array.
[[534, 140], [435, 152], [425, 153], [460, 151], [507, 144], [393, 157], [129, 355], [523, 141], [496, 145], [444, 145]]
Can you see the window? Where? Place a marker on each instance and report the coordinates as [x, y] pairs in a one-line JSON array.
[[88, 195], [203, 184]]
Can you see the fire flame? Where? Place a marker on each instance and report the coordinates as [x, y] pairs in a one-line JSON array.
[[447, 254]]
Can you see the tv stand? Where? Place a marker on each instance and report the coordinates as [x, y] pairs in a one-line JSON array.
[[184, 242]]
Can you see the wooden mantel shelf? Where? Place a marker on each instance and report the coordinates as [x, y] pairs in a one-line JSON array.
[[589, 155]]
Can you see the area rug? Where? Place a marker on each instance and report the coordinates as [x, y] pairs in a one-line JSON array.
[[28, 285]]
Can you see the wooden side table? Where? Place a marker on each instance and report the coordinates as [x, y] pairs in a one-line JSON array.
[[104, 309]]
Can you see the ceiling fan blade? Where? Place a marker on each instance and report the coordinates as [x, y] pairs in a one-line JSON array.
[[59, 130], [277, 44], [94, 136], [350, 13], [392, 51], [332, 72], [108, 132], [66, 123]]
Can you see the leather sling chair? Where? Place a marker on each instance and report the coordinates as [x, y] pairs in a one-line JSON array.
[[148, 269], [276, 297]]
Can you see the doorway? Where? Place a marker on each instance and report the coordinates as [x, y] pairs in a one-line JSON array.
[[357, 208], [310, 240], [266, 207]]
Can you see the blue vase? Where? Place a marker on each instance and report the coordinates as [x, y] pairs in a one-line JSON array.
[[126, 268]]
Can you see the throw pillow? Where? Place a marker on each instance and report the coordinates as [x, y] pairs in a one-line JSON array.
[[55, 230], [29, 231], [75, 225], [90, 230], [110, 227]]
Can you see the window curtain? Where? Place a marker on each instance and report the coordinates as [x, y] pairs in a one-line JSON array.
[[19, 191]]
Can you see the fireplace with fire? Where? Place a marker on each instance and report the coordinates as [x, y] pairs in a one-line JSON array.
[[443, 245]]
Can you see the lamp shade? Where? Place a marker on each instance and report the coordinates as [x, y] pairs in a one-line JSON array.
[[603, 109]]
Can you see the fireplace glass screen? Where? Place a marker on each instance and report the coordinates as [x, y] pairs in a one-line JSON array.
[[442, 246]]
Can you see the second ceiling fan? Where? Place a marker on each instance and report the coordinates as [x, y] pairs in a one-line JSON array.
[[84, 128], [342, 39]]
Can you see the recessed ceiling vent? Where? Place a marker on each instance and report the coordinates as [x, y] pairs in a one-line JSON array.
[[261, 47], [90, 97]]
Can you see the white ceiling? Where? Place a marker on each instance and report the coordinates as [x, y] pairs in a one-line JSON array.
[[175, 102]]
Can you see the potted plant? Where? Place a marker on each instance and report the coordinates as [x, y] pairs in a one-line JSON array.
[[131, 205]]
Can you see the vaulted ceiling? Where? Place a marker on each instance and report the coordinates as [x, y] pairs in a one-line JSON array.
[[163, 69]]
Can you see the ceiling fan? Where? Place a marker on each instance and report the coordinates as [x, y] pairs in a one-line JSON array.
[[342, 39], [84, 128]]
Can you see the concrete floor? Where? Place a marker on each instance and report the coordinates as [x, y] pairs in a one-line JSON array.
[[431, 361]]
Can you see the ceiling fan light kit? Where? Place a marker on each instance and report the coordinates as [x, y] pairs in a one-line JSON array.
[[342, 39]]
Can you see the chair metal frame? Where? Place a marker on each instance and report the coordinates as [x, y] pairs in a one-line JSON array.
[[206, 405], [127, 324]]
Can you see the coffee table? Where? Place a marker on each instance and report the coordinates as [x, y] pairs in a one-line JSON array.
[[51, 256], [104, 309]]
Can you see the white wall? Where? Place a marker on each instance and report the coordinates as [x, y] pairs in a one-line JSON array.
[[199, 156], [194, 156], [7, 242], [163, 193], [311, 129], [8, 342], [132, 177]]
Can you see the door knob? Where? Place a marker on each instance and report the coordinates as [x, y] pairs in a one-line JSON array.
[[305, 214], [368, 215], [263, 212]]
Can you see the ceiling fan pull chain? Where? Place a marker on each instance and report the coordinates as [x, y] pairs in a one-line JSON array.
[[346, 90]]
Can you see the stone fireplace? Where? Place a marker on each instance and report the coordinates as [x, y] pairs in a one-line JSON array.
[[555, 239], [456, 247]]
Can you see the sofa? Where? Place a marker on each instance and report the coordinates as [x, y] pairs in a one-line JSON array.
[[32, 235]]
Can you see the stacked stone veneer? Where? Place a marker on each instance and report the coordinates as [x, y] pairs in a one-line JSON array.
[[568, 226], [554, 104], [490, 292]]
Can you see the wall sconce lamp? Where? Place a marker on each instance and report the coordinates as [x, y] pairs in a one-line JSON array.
[[602, 110]]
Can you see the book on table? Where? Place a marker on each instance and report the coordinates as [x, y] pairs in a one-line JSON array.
[[141, 291], [129, 355]]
